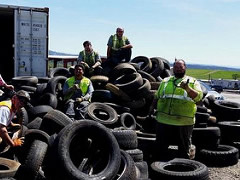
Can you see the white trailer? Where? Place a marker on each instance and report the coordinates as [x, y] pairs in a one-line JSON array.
[[24, 41]]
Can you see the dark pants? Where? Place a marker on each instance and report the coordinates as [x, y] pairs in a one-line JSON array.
[[76, 110], [91, 72], [121, 56], [173, 135]]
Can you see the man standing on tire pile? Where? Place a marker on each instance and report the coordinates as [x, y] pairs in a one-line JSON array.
[[119, 49], [8, 109], [77, 91], [90, 59], [176, 108]]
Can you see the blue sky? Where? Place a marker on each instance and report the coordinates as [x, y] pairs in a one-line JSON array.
[[199, 31]]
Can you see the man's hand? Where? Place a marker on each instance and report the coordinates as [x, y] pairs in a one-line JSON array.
[[79, 100], [85, 64], [18, 141], [75, 87], [184, 85]]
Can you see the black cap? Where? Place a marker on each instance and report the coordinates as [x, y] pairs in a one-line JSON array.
[[23, 96]]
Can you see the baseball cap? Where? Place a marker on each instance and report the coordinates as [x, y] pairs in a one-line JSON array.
[[23, 96]]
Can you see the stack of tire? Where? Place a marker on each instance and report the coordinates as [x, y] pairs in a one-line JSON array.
[[209, 135]]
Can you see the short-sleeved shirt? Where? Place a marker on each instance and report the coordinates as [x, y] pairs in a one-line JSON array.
[[110, 41], [5, 115], [89, 57]]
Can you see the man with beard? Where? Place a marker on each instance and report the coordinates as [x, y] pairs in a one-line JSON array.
[[176, 108]]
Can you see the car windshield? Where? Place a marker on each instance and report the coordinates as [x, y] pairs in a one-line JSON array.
[[206, 86]]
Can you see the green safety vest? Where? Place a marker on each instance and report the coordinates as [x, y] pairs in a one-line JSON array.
[[174, 105], [6, 103], [118, 43], [88, 58], [83, 85]]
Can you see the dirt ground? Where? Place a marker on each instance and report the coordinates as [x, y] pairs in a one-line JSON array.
[[225, 173]]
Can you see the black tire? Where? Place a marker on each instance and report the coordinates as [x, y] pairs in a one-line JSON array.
[[35, 124], [59, 71], [43, 80], [41, 89], [102, 113], [180, 169], [208, 137], [30, 169], [166, 73], [55, 86], [99, 81], [22, 116], [201, 117], [157, 67], [117, 92], [24, 80], [8, 167], [221, 156], [129, 83], [54, 121], [136, 154], [229, 131], [118, 108], [226, 110], [146, 63], [128, 121], [48, 99], [28, 88], [127, 139], [144, 90], [102, 142], [101, 95], [142, 170], [38, 111], [147, 76], [121, 69], [127, 170]]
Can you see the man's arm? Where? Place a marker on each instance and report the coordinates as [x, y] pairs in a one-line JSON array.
[[128, 45], [88, 95], [108, 52], [4, 135]]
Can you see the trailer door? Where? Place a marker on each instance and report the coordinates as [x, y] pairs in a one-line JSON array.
[[31, 42]]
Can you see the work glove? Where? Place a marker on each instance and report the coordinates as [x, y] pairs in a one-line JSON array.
[[18, 141]]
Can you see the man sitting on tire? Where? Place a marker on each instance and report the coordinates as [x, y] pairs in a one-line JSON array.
[[176, 107], [90, 59], [8, 109], [77, 91]]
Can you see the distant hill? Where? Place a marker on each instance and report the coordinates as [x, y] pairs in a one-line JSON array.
[[190, 66]]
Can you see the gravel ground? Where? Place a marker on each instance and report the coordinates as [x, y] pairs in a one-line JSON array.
[[225, 173]]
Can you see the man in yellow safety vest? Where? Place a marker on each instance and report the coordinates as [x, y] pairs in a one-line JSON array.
[[77, 91], [119, 48], [90, 59], [8, 109], [176, 107]]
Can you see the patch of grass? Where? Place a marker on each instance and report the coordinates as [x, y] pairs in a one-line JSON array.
[[212, 74]]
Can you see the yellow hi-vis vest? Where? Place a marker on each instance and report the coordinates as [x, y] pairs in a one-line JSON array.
[[83, 85], [90, 60], [7, 103], [118, 43], [174, 106]]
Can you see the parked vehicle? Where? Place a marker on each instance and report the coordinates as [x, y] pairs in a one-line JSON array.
[[24, 41], [209, 91]]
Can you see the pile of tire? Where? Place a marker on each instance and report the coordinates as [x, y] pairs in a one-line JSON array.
[[116, 139]]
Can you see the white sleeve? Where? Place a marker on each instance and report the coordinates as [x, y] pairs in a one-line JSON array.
[[5, 116]]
